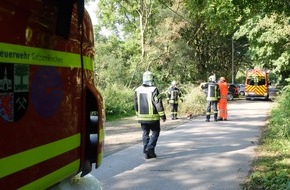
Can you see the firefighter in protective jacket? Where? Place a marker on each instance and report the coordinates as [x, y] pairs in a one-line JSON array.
[[212, 98], [149, 109], [172, 97]]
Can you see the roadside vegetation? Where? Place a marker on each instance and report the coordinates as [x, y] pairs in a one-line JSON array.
[[118, 102], [271, 170]]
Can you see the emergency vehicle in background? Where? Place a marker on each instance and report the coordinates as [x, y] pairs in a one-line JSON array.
[[257, 84], [51, 114]]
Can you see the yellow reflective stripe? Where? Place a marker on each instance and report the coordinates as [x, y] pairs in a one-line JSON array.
[[101, 140], [149, 116], [25, 159], [150, 105], [11, 53], [260, 90], [53, 177], [100, 159], [149, 119], [102, 135], [145, 117]]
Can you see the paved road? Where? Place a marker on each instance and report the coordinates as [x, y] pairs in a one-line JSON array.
[[193, 156]]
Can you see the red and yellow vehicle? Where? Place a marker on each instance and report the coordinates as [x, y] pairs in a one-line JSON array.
[[257, 84], [51, 113]]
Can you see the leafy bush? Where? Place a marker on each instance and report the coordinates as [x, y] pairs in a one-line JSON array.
[[118, 101], [194, 101], [272, 168], [280, 124]]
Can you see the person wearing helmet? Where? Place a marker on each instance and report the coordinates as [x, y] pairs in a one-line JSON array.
[[212, 98], [222, 106], [172, 96], [149, 109]]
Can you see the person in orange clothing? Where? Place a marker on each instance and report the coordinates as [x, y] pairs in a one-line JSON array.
[[223, 110]]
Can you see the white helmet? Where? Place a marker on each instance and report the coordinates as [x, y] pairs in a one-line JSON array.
[[173, 83], [212, 78], [148, 78]]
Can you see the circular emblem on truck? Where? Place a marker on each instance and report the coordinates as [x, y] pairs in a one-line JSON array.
[[46, 91]]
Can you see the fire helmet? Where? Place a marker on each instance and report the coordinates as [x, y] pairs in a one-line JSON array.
[[148, 78], [211, 78], [173, 83]]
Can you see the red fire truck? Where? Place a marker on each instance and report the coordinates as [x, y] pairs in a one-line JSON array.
[[257, 84], [51, 113]]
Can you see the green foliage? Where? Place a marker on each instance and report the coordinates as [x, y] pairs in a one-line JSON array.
[[194, 101], [272, 168], [269, 42], [280, 123], [218, 15], [118, 101]]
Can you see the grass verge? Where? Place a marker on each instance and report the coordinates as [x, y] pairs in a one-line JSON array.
[[271, 170]]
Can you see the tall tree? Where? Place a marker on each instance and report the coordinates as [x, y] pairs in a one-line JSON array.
[[269, 39], [131, 20], [213, 24]]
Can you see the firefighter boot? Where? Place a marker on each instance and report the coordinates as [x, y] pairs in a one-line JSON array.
[[207, 118], [215, 117], [151, 154]]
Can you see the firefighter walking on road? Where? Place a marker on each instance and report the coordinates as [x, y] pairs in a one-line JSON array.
[[212, 98], [149, 109], [223, 110], [173, 95]]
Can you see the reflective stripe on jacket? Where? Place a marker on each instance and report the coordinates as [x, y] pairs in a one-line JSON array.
[[147, 104], [213, 92]]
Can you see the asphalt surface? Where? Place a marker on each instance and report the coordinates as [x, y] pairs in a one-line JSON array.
[[196, 155]]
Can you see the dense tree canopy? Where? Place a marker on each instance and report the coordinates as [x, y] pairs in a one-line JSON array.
[[187, 40]]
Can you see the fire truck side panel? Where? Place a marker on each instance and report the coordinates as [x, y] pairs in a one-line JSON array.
[[43, 92]]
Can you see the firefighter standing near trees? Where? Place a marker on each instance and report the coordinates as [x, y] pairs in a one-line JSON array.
[[223, 110], [149, 109], [212, 98], [172, 97]]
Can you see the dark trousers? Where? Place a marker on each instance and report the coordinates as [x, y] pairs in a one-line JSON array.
[[212, 104], [149, 142], [173, 110]]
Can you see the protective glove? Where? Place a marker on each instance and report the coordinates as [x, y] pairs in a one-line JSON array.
[[163, 118]]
